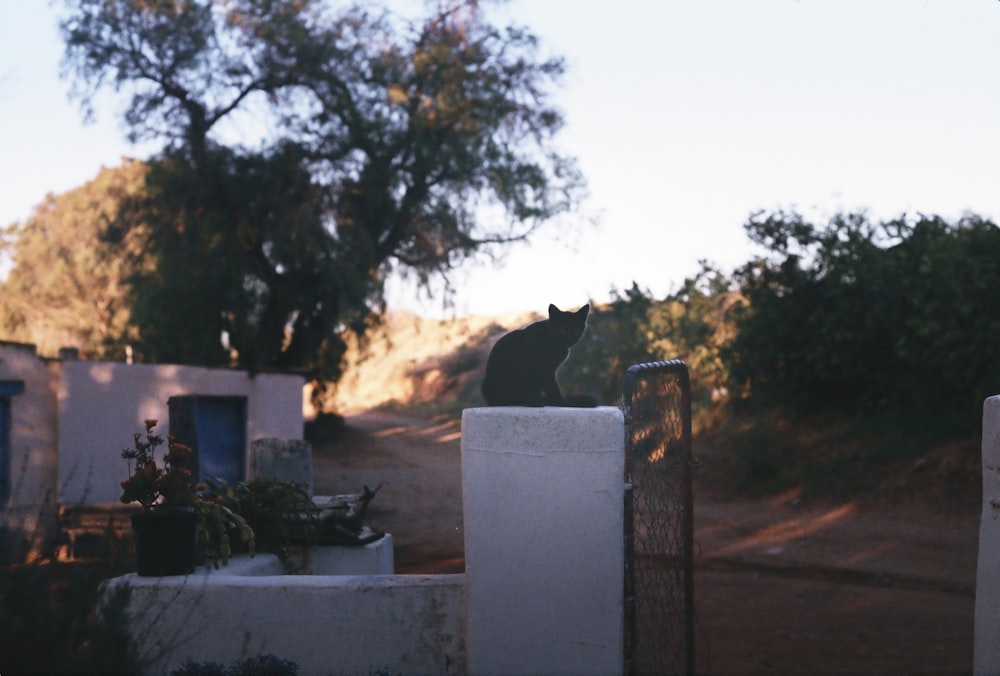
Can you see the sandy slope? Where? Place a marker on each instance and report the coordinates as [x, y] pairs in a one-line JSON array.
[[414, 359]]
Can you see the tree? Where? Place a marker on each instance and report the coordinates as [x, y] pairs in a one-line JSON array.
[[692, 323], [815, 332], [227, 264], [856, 315], [397, 146], [67, 288], [618, 335]]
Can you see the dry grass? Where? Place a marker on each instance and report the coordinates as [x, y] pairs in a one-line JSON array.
[[419, 361]]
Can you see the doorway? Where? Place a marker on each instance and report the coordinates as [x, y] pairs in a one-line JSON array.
[[216, 430]]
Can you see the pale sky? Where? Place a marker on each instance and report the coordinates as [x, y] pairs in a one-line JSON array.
[[685, 116]]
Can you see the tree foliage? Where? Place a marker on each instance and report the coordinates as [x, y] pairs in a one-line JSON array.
[[67, 288], [387, 145], [618, 335], [693, 323], [856, 315], [850, 316], [228, 261]]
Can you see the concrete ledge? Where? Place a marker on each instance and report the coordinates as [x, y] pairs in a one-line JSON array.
[[526, 430], [374, 558], [241, 565], [324, 623]]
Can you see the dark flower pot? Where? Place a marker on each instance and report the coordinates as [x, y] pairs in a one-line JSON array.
[[165, 543]]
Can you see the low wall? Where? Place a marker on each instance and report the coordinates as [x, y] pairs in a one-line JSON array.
[[986, 650], [326, 624]]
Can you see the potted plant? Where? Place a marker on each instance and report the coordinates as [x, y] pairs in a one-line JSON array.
[[176, 516], [219, 517], [280, 513]]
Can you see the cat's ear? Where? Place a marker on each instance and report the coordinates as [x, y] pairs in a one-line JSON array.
[[554, 311], [584, 310]]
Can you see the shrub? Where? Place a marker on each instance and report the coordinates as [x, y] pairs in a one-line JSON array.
[[53, 618], [263, 665]]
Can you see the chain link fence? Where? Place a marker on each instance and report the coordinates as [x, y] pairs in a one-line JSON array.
[[659, 528]]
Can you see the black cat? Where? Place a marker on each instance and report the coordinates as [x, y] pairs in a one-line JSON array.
[[521, 369]]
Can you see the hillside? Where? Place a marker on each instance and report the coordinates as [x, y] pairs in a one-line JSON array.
[[418, 361]]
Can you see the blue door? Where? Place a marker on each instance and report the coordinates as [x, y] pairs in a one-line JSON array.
[[216, 430], [222, 423]]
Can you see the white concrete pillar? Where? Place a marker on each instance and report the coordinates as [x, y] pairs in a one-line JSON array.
[[986, 647], [543, 508]]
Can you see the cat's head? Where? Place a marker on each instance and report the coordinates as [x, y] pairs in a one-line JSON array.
[[567, 327]]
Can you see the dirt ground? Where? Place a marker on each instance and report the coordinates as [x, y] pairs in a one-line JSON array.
[[780, 585]]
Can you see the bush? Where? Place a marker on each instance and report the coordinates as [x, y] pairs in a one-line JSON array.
[[861, 316], [691, 324], [263, 665], [53, 619]]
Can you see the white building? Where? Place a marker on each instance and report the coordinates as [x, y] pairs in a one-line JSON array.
[[63, 424]]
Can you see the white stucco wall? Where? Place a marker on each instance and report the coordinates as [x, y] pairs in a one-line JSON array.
[[30, 512], [275, 409], [326, 624], [986, 651], [543, 493], [102, 404]]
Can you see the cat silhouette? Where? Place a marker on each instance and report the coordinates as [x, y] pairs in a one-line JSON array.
[[521, 368]]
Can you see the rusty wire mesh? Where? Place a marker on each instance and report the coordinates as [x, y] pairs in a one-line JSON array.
[[659, 595]]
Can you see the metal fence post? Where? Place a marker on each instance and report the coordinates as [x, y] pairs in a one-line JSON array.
[[659, 520]]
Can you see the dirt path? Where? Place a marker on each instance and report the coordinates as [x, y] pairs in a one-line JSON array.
[[837, 588], [779, 586], [418, 466]]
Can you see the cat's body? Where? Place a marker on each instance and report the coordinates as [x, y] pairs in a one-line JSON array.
[[521, 369]]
